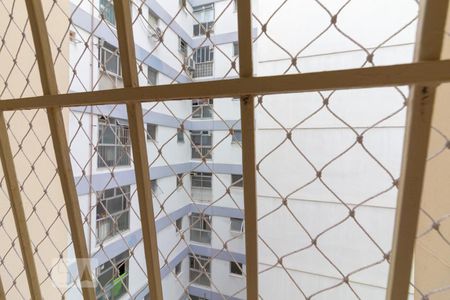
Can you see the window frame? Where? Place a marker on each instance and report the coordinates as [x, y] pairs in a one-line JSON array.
[[242, 226], [182, 47], [236, 136], [114, 264], [154, 185], [106, 49], [202, 108], [235, 49], [178, 269], [201, 26], [124, 194], [179, 227], [152, 74], [108, 7], [180, 136], [204, 61], [201, 178], [239, 179], [179, 179], [121, 133], [202, 224], [202, 150], [204, 269], [152, 131], [239, 267]]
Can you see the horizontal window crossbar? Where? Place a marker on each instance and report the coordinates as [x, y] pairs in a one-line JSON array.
[[433, 72]]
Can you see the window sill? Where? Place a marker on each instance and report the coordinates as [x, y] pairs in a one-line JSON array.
[[199, 243], [107, 169], [113, 238]]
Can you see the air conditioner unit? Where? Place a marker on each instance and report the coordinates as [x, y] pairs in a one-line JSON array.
[[190, 63]]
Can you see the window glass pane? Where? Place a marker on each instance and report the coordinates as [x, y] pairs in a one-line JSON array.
[[154, 183], [180, 136], [179, 224], [151, 131], [112, 212], [236, 224], [107, 9], [237, 136], [235, 268], [112, 277], [235, 48], [152, 20], [152, 76], [178, 269], [237, 180]]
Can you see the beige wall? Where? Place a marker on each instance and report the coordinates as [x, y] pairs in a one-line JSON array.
[[31, 154], [432, 263]]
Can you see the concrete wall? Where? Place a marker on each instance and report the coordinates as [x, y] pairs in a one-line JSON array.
[[30, 130]]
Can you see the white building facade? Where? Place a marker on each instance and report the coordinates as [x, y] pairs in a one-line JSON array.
[[194, 150]]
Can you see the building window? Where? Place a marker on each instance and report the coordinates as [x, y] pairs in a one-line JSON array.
[[204, 19], [179, 224], [202, 108], [112, 277], [204, 61], [235, 49], [201, 186], [200, 225], [201, 180], [152, 21], [182, 47], [199, 269], [107, 11], [114, 147], [180, 135], [236, 225], [151, 132], [113, 212], [154, 184], [180, 180], [178, 269], [201, 144], [152, 76], [236, 136], [110, 59], [235, 268], [236, 180]]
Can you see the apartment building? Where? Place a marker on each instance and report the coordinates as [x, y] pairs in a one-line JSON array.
[[327, 166], [196, 185], [195, 154]]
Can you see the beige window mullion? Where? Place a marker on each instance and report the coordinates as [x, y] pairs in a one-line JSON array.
[[15, 198], [418, 126], [60, 145], [139, 147], [248, 149]]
